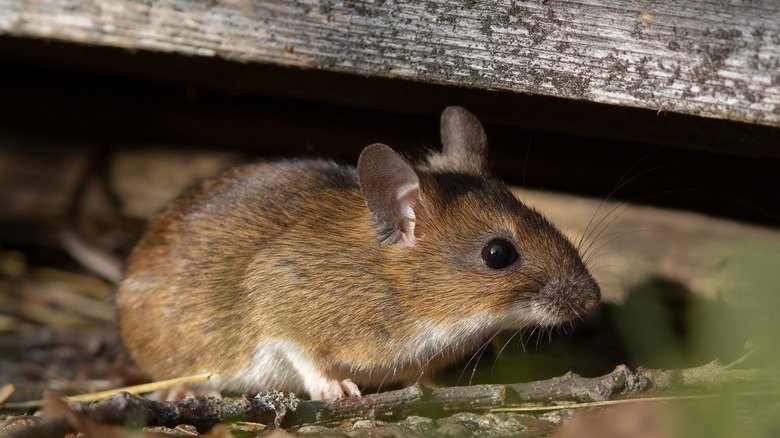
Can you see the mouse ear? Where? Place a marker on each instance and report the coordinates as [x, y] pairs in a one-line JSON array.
[[464, 143], [391, 189]]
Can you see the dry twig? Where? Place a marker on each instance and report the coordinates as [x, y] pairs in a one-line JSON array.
[[277, 410]]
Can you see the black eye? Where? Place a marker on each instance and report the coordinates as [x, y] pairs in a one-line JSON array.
[[498, 254]]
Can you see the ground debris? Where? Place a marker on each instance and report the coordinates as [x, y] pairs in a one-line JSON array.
[[485, 410]]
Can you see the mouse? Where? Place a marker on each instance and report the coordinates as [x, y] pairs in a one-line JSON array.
[[309, 276]]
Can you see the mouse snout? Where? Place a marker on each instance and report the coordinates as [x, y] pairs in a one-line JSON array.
[[567, 297]]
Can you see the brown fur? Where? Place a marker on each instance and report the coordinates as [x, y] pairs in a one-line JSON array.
[[289, 250]]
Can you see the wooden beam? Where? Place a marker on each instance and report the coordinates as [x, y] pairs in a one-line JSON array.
[[712, 58]]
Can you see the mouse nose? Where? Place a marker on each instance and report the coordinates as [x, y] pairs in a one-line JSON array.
[[571, 296], [592, 295]]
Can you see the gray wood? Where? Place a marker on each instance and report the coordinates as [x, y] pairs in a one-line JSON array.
[[716, 59]]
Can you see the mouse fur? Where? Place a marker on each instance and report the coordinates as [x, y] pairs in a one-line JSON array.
[[311, 276]]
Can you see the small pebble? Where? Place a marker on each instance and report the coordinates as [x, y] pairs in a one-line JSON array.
[[364, 424], [314, 430], [453, 430]]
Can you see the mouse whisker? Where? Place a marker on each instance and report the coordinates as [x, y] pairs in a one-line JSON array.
[[484, 348], [540, 335], [418, 375], [529, 336], [626, 207], [520, 341], [621, 182], [421, 369], [495, 361], [550, 334], [611, 237], [384, 379], [603, 224], [474, 357]]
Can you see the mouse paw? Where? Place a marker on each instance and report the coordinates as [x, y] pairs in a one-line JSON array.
[[350, 388], [334, 389]]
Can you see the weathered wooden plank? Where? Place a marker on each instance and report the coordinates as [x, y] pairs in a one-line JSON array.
[[717, 58]]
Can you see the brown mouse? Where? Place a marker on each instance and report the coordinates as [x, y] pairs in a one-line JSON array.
[[307, 275]]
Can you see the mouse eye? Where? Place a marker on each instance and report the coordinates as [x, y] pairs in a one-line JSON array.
[[498, 254]]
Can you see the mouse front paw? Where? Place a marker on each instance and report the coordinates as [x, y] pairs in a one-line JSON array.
[[333, 389]]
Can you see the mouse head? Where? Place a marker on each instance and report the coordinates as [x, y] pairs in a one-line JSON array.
[[463, 243]]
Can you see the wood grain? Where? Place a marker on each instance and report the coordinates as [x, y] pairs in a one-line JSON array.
[[714, 58]]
